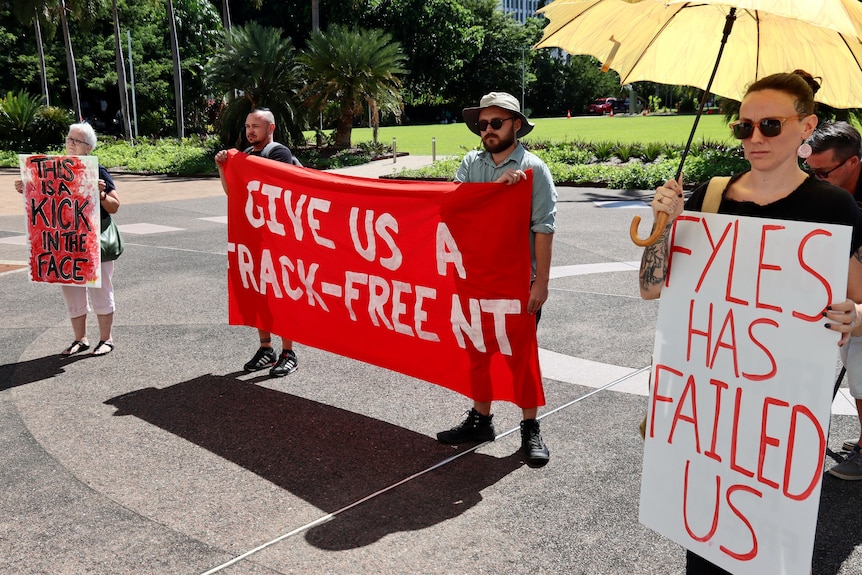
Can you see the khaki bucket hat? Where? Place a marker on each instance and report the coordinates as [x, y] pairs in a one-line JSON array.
[[500, 100]]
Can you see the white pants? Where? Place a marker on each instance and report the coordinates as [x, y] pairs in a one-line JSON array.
[[851, 355], [80, 300]]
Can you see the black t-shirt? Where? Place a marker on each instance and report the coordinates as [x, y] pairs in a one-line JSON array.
[[109, 187], [813, 201], [276, 151], [858, 193]]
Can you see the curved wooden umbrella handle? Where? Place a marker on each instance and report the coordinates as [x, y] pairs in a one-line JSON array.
[[660, 222]]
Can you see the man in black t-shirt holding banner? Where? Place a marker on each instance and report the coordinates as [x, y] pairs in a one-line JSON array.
[[259, 130]]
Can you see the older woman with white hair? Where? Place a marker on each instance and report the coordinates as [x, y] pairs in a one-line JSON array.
[[80, 300]]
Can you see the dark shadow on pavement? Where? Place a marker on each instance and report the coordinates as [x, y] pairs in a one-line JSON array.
[[839, 528], [324, 455], [432, 498], [30, 371]]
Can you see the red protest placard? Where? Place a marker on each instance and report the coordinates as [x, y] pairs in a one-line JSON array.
[[741, 389], [427, 279], [61, 197]]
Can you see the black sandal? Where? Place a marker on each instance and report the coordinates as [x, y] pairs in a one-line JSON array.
[[103, 345], [76, 347]]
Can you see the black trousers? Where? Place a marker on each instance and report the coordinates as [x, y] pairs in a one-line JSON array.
[[697, 565]]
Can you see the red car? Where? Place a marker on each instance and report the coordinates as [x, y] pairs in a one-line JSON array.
[[604, 105]]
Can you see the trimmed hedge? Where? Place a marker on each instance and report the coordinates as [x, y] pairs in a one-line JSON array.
[[615, 165], [602, 164]]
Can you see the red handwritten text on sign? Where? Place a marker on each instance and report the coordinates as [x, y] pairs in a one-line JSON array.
[[741, 389]]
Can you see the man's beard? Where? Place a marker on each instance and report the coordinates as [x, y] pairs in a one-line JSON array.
[[502, 143]]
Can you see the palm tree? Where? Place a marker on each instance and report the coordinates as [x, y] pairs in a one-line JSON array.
[[83, 11], [352, 67], [225, 14], [256, 69], [225, 11], [121, 75], [48, 12], [70, 62], [34, 11], [43, 72], [178, 70]]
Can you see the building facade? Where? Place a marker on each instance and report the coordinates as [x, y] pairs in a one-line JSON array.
[[521, 9]]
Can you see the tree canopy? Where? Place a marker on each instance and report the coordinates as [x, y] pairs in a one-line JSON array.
[[452, 52], [350, 68], [256, 68]]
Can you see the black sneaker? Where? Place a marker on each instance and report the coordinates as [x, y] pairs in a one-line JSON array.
[[286, 364], [536, 453], [477, 428], [263, 358]]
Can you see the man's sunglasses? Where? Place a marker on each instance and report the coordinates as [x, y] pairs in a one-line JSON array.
[[769, 127], [823, 174], [496, 123]]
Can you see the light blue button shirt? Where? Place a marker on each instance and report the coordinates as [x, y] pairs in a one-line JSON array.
[[480, 167]]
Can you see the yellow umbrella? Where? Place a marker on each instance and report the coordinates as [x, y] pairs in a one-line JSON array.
[[676, 42], [690, 43]]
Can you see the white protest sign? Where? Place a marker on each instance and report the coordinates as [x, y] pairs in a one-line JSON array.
[[742, 388]]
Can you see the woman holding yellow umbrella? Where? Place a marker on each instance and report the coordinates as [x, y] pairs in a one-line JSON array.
[[775, 118], [716, 45]]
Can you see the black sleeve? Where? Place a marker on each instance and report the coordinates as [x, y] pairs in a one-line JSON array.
[[854, 218], [857, 233], [833, 205], [109, 181], [695, 202]]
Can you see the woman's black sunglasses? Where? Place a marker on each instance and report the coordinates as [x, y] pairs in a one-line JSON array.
[[769, 127]]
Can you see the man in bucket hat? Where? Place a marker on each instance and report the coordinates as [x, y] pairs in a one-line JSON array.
[[499, 122]]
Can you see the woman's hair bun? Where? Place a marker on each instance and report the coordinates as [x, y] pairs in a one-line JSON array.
[[809, 79]]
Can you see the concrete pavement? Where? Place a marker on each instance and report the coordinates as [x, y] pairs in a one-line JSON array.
[[164, 458], [387, 166]]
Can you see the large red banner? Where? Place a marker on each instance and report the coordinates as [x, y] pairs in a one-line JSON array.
[[430, 279], [61, 199]]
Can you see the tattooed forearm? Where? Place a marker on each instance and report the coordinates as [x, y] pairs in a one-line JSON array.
[[654, 264], [858, 255]]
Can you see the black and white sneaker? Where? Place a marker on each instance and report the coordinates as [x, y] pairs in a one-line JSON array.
[[263, 358], [286, 364]]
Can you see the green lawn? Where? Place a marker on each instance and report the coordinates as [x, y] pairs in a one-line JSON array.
[[455, 139], [168, 156]]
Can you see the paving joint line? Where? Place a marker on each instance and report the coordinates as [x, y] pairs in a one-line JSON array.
[[330, 516]]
